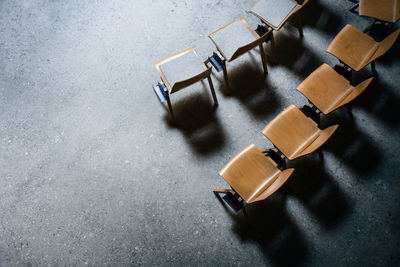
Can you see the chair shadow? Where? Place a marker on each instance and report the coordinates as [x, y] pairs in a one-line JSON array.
[[273, 230], [248, 85], [196, 118], [290, 52], [353, 147], [317, 190], [322, 18], [379, 100]]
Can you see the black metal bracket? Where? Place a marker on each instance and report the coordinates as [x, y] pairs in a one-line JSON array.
[[263, 29], [312, 112], [343, 70], [159, 89], [277, 156], [233, 200], [217, 61], [379, 30]]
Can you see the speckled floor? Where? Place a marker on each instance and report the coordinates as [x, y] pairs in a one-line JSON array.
[[93, 173]]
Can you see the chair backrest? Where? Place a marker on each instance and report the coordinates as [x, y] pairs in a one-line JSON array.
[[185, 83], [290, 130], [387, 10], [250, 172], [245, 48]]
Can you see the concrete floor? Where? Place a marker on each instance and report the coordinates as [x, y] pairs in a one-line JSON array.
[[93, 173]]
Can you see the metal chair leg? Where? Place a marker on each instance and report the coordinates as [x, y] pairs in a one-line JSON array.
[[226, 78], [373, 68], [210, 83], [300, 23], [263, 59], [170, 107]]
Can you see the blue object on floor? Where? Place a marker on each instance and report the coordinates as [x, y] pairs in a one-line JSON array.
[[217, 62], [159, 90], [233, 201]]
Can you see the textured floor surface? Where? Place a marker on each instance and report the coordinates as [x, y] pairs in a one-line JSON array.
[[93, 173]]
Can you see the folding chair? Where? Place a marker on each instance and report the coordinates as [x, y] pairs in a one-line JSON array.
[[179, 71], [252, 176], [295, 134], [275, 13], [235, 39], [355, 49], [327, 90]]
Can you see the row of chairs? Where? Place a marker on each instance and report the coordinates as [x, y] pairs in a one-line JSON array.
[[231, 41], [255, 174]]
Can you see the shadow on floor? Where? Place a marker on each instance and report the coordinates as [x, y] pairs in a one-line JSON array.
[[248, 85], [196, 118], [381, 102], [273, 230], [321, 17], [317, 190], [269, 224], [355, 149], [289, 51]]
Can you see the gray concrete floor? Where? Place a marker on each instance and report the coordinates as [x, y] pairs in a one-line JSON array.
[[93, 173]]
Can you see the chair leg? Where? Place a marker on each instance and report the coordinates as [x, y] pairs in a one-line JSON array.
[[226, 78], [245, 214], [300, 23], [353, 7], [263, 59], [170, 108], [373, 67], [210, 83], [272, 40]]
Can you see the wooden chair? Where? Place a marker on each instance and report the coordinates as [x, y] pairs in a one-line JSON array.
[[275, 13], [328, 90], [182, 70], [296, 135], [235, 39], [385, 10], [252, 175], [356, 49]]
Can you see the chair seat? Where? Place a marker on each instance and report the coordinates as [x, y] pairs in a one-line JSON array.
[[179, 67], [386, 10], [353, 47], [252, 174], [273, 12], [232, 36], [325, 88]]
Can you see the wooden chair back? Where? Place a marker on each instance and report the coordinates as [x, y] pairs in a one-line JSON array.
[[185, 83], [246, 48]]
